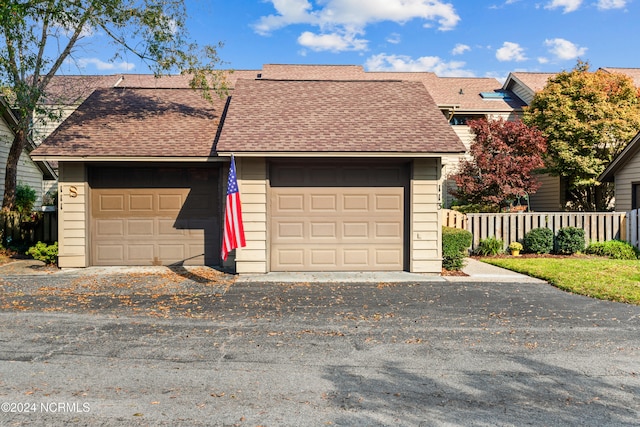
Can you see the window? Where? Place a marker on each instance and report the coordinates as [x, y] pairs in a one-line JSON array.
[[635, 195], [462, 119]]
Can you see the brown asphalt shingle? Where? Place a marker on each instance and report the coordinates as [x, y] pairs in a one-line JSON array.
[[335, 116], [128, 122]]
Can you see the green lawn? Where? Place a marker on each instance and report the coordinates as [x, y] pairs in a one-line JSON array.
[[602, 278]]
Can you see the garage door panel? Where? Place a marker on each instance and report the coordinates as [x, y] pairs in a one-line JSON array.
[[289, 230], [110, 253], [289, 259], [389, 202], [170, 202], [141, 202], [323, 203], [290, 203], [323, 230], [155, 218], [355, 202], [387, 257], [355, 258], [140, 252], [111, 202], [355, 230], [337, 217], [388, 230], [323, 258], [110, 228], [140, 227]]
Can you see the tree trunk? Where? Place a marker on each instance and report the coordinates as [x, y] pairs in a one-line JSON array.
[[11, 174]]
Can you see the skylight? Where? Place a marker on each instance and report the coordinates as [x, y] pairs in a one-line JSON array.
[[499, 96]]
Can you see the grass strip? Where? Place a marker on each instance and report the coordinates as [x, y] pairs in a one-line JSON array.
[[602, 278]]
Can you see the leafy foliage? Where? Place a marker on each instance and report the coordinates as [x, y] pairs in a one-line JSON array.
[[539, 241], [614, 249], [515, 246], [489, 246], [25, 198], [43, 252], [455, 242], [504, 156], [570, 240], [588, 118], [38, 37]]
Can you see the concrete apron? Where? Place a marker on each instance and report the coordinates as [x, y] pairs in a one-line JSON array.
[[475, 271]]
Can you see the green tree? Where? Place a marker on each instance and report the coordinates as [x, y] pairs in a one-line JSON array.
[[588, 119], [38, 36]]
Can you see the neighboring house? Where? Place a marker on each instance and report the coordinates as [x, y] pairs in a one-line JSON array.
[[334, 175], [634, 73], [624, 171], [31, 173], [458, 98], [551, 195]]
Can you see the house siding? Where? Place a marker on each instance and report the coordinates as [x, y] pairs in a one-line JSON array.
[[28, 172], [252, 183], [523, 93], [624, 178], [548, 196], [73, 221], [425, 226]]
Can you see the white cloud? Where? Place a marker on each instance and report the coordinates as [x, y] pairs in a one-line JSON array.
[[510, 52], [333, 42], [384, 62], [543, 60], [611, 4], [460, 48], [394, 38], [344, 16], [564, 49], [103, 66], [568, 5]]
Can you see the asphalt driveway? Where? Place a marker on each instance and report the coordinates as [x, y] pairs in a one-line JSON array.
[[195, 347]]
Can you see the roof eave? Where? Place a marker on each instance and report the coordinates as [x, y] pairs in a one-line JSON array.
[[323, 154], [621, 159]]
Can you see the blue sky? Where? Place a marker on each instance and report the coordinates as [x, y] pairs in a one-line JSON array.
[[448, 37]]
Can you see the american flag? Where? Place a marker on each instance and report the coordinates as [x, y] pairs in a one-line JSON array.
[[233, 229]]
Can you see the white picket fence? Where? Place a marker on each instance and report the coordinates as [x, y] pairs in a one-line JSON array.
[[511, 227]]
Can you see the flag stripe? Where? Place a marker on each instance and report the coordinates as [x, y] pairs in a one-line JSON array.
[[233, 236]]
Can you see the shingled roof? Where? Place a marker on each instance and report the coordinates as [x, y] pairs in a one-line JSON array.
[[276, 116], [127, 122]]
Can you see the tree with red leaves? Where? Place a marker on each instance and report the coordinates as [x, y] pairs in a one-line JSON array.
[[505, 155]]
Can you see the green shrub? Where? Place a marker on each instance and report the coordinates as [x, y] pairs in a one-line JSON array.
[[43, 252], [25, 198], [455, 242], [490, 246], [570, 240], [538, 241], [614, 249]]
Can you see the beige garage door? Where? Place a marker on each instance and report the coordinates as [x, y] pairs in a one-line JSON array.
[[337, 217], [155, 216]]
